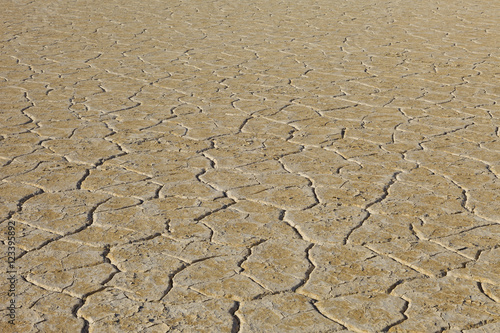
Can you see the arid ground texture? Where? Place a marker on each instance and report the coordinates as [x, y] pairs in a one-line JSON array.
[[250, 166]]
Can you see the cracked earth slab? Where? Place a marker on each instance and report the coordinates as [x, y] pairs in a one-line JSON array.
[[196, 166]]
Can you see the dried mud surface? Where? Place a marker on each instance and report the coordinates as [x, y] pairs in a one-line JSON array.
[[251, 166]]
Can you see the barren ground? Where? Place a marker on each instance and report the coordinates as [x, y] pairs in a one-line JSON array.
[[250, 166]]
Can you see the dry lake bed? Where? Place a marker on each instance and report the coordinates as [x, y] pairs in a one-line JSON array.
[[250, 166]]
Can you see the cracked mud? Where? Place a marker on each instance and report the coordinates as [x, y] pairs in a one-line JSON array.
[[250, 166]]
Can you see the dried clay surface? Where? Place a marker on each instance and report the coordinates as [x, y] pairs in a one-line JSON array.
[[250, 166]]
